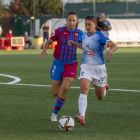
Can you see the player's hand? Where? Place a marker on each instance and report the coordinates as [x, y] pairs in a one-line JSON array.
[[109, 54], [42, 55], [70, 42]]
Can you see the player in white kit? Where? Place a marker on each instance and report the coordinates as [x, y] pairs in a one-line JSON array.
[[93, 69]]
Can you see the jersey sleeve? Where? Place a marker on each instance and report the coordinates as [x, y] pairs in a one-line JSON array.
[[104, 39], [108, 23], [55, 35], [80, 37]]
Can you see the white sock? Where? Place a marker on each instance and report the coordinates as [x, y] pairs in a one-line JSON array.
[[82, 102], [105, 92], [106, 50]]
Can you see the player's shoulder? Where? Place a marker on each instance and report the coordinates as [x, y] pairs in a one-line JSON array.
[[80, 31], [84, 34], [107, 22], [60, 29], [100, 35]]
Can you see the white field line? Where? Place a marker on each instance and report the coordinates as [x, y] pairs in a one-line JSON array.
[[16, 79], [70, 87]]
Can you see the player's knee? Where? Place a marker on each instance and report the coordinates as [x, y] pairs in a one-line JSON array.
[[84, 90], [100, 98], [65, 89]]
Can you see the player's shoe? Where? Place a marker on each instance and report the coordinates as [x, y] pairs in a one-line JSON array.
[[107, 86], [54, 117], [80, 119]]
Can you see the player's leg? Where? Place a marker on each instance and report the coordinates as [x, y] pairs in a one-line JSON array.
[[67, 81], [100, 92], [56, 76], [82, 102], [56, 87], [69, 73], [100, 81], [85, 82], [44, 41], [100, 87]]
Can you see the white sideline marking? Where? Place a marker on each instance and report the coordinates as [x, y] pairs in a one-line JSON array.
[[13, 82], [18, 79], [70, 87]]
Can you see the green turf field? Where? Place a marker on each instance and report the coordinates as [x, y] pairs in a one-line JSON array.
[[25, 110]]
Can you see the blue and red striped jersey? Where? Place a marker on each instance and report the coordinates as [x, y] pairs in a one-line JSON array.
[[63, 51]]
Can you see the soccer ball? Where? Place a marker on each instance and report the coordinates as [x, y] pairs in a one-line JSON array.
[[66, 123]]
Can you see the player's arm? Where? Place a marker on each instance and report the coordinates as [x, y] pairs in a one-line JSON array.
[[46, 46], [79, 45], [113, 46], [46, 30]]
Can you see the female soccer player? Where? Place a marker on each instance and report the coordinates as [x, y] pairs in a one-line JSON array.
[[93, 69], [64, 68]]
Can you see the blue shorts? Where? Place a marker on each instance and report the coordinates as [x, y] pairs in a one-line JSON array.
[[62, 69]]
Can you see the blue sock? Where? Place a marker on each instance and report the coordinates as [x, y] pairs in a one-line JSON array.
[[58, 105]]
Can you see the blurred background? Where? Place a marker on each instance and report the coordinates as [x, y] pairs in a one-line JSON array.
[[30, 16]]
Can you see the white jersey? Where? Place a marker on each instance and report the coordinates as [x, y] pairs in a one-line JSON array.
[[93, 47]]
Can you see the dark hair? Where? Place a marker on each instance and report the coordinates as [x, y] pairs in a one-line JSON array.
[[100, 25], [73, 13]]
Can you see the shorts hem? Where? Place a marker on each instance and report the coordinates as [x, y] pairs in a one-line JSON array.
[[85, 78], [99, 85]]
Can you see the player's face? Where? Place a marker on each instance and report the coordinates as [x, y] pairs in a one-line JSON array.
[[102, 17], [90, 26], [71, 22], [46, 23]]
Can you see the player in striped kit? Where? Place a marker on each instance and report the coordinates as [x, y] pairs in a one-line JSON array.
[[64, 68], [93, 69]]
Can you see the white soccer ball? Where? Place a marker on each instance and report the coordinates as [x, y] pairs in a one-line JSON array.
[[66, 123]]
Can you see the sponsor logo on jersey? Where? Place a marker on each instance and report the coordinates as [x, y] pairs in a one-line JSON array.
[[89, 52]]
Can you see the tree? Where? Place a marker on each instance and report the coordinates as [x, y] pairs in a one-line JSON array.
[[87, 1], [25, 7], [3, 10]]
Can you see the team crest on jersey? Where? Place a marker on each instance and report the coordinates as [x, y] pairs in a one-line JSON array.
[[52, 74], [76, 34], [87, 45]]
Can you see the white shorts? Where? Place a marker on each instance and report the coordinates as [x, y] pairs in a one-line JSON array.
[[96, 74]]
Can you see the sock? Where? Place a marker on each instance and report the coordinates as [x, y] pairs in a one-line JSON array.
[[58, 105], [105, 92], [82, 102], [106, 50]]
